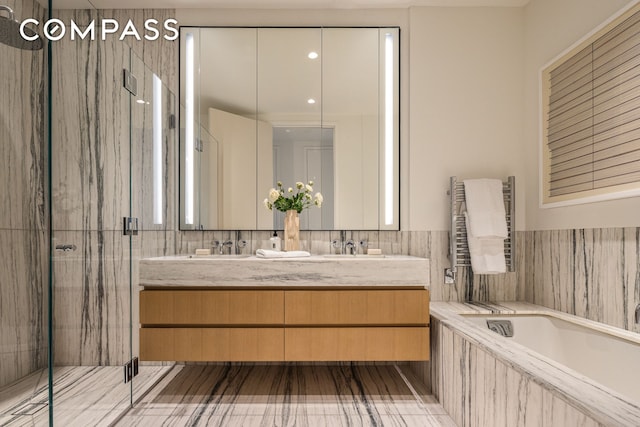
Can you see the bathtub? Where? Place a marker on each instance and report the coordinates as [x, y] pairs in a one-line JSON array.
[[609, 360], [556, 369]]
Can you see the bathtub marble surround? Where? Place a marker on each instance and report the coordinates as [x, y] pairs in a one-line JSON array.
[[470, 364], [287, 395]]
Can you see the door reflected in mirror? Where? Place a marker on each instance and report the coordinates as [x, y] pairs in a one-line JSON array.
[[260, 105], [306, 152]]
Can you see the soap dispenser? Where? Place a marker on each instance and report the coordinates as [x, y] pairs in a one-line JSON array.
[[274, 242]]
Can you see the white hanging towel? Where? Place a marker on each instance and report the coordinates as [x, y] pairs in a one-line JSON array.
[[485, 208], [487, 255], [486, 223]]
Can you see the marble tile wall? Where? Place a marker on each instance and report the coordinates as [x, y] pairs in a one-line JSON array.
[[98, 178], [592, 273], [160, 55], [90, 195], [23, 222]]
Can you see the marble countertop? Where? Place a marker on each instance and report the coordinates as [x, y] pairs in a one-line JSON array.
[[315, 271], [598, 402]]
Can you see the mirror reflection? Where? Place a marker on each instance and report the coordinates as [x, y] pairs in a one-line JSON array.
[[261, 105]]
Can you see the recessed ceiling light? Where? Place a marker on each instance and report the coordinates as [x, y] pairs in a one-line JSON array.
[[311, 101], [140, 101], [313, 55]]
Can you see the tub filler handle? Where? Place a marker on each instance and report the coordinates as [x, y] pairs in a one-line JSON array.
[[502, 327]]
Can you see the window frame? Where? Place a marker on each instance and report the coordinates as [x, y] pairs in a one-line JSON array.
[[614, 192]]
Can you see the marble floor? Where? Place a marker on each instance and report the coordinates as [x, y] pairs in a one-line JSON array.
[[287, 395], [83, 396]]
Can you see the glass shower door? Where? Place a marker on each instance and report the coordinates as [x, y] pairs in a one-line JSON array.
[[91, 181], [113, 158], [153, 153]]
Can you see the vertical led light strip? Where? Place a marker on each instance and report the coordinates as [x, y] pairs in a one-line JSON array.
[[189, 130], [388, 129], [157, 150]]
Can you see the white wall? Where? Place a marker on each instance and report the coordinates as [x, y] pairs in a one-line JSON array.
[[466, 100], [551, 27]]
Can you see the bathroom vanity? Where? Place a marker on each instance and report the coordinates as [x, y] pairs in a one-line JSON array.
[[320, 308]]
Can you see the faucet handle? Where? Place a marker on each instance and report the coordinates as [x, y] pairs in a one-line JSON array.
[[335, 243], [241, 243]]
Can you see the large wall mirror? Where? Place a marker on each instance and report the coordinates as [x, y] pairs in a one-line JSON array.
[[261, 105]]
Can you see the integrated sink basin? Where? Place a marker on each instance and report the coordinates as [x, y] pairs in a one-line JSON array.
[[245, 271], [356, 256]]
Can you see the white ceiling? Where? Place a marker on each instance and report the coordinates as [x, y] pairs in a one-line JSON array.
[[275, 4]]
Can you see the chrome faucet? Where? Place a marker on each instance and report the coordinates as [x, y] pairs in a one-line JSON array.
[[348, 246], [638, 314]]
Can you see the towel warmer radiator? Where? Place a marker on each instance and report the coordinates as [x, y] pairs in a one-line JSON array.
[[458, 246]]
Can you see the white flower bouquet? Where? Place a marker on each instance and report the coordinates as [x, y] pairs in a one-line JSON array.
[[299, 200]]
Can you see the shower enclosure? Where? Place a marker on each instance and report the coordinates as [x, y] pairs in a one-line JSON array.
[[86, 189]]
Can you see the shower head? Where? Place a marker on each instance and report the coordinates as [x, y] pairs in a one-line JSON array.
[[10, 32]]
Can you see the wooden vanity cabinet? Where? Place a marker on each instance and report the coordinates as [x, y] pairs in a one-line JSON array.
[[357, 307], [284, 325], [367, 325], [212, 325], [206, 344], [211, 307]]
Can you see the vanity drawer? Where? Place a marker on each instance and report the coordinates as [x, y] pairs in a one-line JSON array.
[[212, 344], [357, 307], [357, 344], [211, 307]]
